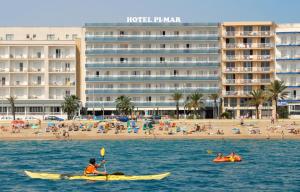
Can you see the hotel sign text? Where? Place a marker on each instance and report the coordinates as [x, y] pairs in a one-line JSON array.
[[153, 20]]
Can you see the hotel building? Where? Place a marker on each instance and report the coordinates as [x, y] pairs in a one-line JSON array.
[[38, 68], [149, 62], [247, 64], [288, 63]]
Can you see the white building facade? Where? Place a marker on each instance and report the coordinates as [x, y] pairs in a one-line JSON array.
[[288, 63], [38, 68], [149, 62]]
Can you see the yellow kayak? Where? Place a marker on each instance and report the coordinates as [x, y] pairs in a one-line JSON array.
[[53, 176]]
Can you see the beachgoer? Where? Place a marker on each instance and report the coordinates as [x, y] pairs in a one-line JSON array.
[[91, 169]]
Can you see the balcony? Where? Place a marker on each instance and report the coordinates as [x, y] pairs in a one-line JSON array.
[[129, 78], [19, 83], [212, 50], [167, 90], [248, 45], [249, 33], [61, 70], [248, 57], [247, 81], [36, 84], [64, 84], [36, 70], [247, 69], [213, 64], [100, 104], [127, 38]]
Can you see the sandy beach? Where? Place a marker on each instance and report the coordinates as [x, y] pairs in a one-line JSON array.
[[179, 129]]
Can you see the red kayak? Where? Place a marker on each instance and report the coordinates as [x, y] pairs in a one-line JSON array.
[[235, 158]]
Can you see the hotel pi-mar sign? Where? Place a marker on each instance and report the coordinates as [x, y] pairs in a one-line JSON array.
[[153, 20]]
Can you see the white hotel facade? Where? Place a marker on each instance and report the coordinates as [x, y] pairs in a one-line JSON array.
[[38, 68], [288, 63], [145, 61], [148, 62]]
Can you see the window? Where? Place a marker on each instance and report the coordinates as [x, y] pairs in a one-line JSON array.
[[248, 28], [54, 109], [57, 53], [50, 37], [163, 33], [230, 29], [148, 98], [68, 92], [176, 32], [74, 36], [34, 36], [36, 109], [67, 36], [27, 36], [121, 33], [9, 37], [162, 46], [20, 109], [265, 52], [265, 28]]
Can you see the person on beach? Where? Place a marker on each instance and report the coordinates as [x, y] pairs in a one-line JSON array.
[[91, 169]]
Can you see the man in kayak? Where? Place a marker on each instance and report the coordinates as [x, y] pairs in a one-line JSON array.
[[91, 169]]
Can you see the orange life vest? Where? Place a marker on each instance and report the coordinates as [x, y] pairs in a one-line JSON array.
[[90, 169]]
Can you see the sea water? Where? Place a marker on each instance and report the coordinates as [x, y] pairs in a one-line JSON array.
[[268, 165]]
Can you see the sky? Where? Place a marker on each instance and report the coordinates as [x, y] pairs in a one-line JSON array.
[[78, 12]]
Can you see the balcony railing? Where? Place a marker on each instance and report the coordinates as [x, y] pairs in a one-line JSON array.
[[249, 33], [166, 90], [246, 69], [149, 78], [247, 81], [62, 84], [59, 70], [248, 57], [212, 50], [94, 38], [249, 45], [153, 65]]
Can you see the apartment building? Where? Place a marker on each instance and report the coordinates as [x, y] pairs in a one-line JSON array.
[[248, 64], [288, 63], [148, 62], [38, 68]]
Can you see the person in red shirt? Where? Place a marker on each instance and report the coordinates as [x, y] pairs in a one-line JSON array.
[[91, 169]]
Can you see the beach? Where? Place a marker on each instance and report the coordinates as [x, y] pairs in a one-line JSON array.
[[175, 129]]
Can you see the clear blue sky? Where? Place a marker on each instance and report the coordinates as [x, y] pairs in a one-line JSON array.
[[77, 12]]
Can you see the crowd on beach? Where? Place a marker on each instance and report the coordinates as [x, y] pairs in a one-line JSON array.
[[162, 127]]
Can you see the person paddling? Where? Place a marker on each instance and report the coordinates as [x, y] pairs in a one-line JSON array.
[[91, 169]]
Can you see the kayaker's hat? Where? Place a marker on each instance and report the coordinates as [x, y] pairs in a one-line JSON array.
[[92, 161]]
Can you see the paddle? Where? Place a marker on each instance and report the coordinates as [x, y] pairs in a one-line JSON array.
[[102, 153]]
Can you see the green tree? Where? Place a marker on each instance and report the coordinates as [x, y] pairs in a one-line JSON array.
[[258, 97], [124, 104], [12, 101], [215, 97], [276, 91], [176, 97], [195, 102], [70, 105]]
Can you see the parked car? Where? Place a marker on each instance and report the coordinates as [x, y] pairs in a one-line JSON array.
[[54, 118], [123, 118]]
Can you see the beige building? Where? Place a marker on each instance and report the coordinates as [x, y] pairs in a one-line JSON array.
[[38, 68], [247, 64]]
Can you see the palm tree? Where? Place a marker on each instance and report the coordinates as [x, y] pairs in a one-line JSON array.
[[276, 90], [12, 101], [215, 97], [70, 105], [176, 97], [195, 102], [258, 97], [124, 104]]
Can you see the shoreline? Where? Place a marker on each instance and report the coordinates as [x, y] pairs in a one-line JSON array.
[[138, 137], [217, 129]]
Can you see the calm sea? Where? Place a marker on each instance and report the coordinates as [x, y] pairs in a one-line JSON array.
[[267, 165]]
